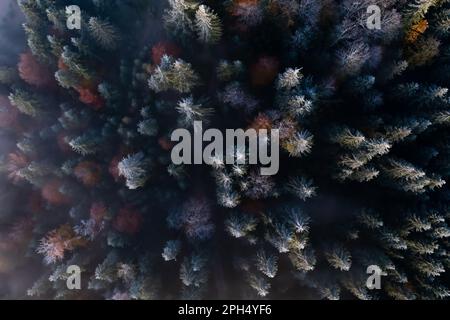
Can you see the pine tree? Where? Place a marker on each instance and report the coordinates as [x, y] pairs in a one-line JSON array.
[[239, 225], [148, 127], [207, 23], [362, 117], [104, 33], [339, 257], [192, 271], [259, 284], [171, 250], [190, 112], [135, 170], [300, 144], [89, 143], [267, 264], [177, 75], [301, 188], [26, 102]]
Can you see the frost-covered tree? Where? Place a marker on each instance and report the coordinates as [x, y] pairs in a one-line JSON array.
[[207, 24], [88, 143], [239, 225], [267, 263], [301, 188], [104, 33], [86, 118], [259, 284], [177, 75], [339, 257], [171, 250], [190, 112], [193, 272], [300, 144], [135, 170], [25, 102]]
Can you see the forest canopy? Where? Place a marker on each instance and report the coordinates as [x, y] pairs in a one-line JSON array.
[[87, 179]]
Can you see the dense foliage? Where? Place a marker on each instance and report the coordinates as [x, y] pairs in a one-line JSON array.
[[363, 118]]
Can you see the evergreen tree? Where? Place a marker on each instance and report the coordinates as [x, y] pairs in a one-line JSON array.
[[104, 33], [86, 118]]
